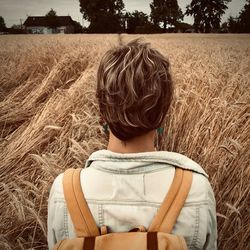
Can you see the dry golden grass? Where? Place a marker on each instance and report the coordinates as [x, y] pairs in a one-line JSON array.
[[49, 122]]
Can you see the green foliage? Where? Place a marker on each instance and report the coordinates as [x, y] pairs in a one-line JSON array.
[[244, 18], [240, 24], [52, 18], [105, 23], [136, 19], [104, 16], [16, 26], [166, 12], [91, 8], [51, 13], [148, 28], [224, 28], [2, 24], [207, 13], [77, 27], [233, 24], [182, 27], [16, 29], [138, 23]]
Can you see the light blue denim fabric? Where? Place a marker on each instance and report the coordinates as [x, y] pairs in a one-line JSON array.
[[126, 190]]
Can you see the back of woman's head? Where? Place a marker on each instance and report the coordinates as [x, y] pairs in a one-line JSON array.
[[134, 89]]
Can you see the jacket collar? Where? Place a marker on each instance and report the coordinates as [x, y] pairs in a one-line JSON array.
[[171, 158]]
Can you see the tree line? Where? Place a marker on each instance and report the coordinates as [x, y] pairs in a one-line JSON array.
[[110, 16], [240, 23], [166, 16]]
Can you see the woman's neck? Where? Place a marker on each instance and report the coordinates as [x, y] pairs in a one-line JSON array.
[[143, 143]]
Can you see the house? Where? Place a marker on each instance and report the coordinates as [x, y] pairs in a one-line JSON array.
[[49, 24]]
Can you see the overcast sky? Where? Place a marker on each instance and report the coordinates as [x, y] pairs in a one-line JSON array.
[[14, 10]]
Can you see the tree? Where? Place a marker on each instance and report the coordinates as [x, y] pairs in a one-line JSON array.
[[51, 13], [207, 13], [233, 24], [16, 29], [77, 27], [136, 19], [244, 18], [182, 27], [16, 26], [166, 12], [51, 17], [105, 23], [104, 16], [2, 24], [241, 23], [224, 27]]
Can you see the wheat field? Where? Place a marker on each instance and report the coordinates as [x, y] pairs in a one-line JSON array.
[[49, 122]]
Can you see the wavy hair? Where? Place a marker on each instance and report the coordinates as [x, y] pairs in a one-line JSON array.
[[134, 89]]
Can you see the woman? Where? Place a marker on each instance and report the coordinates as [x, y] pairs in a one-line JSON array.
[[125, 184]]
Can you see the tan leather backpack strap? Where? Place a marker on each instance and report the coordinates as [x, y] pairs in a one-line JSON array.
[[80, 214], [167, 202], [172, 204], [177, 205]]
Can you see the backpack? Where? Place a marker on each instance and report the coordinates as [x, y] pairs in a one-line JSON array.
[[157, 237]]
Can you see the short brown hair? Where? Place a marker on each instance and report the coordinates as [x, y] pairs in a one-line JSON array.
[[134, 89]]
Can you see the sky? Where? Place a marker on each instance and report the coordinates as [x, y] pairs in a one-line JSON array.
[[16, 11]]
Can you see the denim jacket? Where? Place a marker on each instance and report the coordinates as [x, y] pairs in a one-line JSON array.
[[126, 190]]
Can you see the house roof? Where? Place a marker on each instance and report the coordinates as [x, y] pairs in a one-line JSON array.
[[49, 21]]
